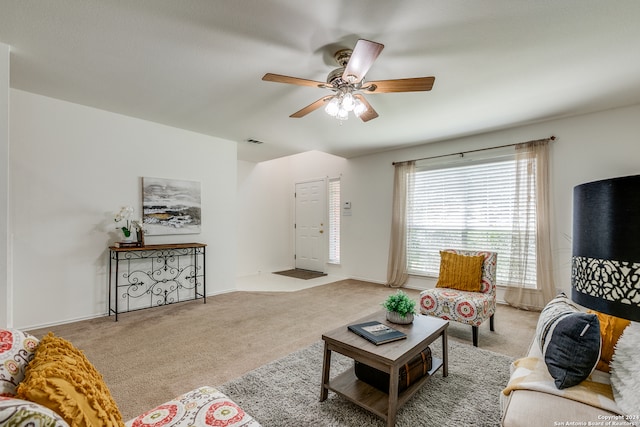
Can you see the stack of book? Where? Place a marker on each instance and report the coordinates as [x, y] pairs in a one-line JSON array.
[[377, 332], [128, 244]]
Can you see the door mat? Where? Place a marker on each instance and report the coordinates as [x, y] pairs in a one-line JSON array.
[[298, 273]]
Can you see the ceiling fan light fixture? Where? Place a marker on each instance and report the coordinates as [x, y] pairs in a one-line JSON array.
[[333, 107], [342, 114], [348, 101], [359, 108], [344, 102]]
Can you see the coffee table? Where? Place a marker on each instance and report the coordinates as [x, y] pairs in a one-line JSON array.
[[389, 357]]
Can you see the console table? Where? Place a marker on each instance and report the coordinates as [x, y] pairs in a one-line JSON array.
[[155, 275]]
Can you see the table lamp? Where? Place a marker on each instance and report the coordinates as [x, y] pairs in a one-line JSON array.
[[605, 268]]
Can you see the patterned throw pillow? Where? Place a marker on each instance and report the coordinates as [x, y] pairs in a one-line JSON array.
[[569, 340], [21, 413], [460, 272], [17, 348], [61, 378]]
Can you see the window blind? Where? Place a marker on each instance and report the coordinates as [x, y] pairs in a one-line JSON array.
[[469, 207], [334, 220]]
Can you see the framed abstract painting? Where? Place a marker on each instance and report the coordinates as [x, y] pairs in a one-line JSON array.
[[171, 206]]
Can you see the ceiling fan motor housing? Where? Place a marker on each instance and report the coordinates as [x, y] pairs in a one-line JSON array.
[[342, 57], [335, 78]]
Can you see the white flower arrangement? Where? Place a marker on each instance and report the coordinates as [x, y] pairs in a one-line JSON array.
[[125, 214]]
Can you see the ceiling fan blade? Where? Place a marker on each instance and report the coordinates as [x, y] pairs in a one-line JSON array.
[[370, 113], [278, 78], [362, 58], [311, 107], [415, 84]]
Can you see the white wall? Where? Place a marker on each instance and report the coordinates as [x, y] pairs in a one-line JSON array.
[[264, 217], [587, 148], [266, 208], [5, 294], [72, 167]]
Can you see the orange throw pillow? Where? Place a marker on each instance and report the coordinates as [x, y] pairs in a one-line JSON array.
[[460, 272], [61, 378], [611, 328]]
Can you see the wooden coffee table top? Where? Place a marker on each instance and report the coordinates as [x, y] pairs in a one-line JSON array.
[[420, 333]]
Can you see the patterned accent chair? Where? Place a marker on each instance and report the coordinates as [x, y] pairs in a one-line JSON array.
[[470, 308]]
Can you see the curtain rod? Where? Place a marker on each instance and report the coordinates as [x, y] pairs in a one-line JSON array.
[[462, 153]]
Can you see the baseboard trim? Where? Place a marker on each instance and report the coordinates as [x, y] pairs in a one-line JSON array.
[[104, 314]]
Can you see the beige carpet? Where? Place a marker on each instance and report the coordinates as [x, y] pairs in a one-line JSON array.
[[150, 356]]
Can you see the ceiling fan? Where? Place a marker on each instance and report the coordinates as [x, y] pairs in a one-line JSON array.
[[349, 85]]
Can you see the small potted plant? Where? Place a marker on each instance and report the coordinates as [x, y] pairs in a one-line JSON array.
[[400, 308], [125, 214]]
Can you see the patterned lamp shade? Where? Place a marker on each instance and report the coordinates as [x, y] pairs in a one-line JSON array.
[[605, 270]]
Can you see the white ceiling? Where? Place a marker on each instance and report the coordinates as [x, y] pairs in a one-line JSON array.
[[198, 64]]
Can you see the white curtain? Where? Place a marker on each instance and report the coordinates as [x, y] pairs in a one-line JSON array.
[[397, 274], [532, 177]]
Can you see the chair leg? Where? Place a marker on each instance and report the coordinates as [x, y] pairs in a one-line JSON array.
[[491, 323], [474, 330]]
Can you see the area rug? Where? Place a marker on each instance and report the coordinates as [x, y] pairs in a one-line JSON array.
[[285, 393], [300, 274]]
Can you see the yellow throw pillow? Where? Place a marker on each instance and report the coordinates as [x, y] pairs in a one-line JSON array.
[[460, 272], [61, 378], [611, 328]]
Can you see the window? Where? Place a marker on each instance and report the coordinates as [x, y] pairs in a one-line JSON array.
[[469, 206], [334, 220]]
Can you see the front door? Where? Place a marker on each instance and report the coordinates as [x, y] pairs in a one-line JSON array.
[[309, 225]]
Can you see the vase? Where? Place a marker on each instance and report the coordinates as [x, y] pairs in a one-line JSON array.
[[140, 235], [127, 239], [395, 317]]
